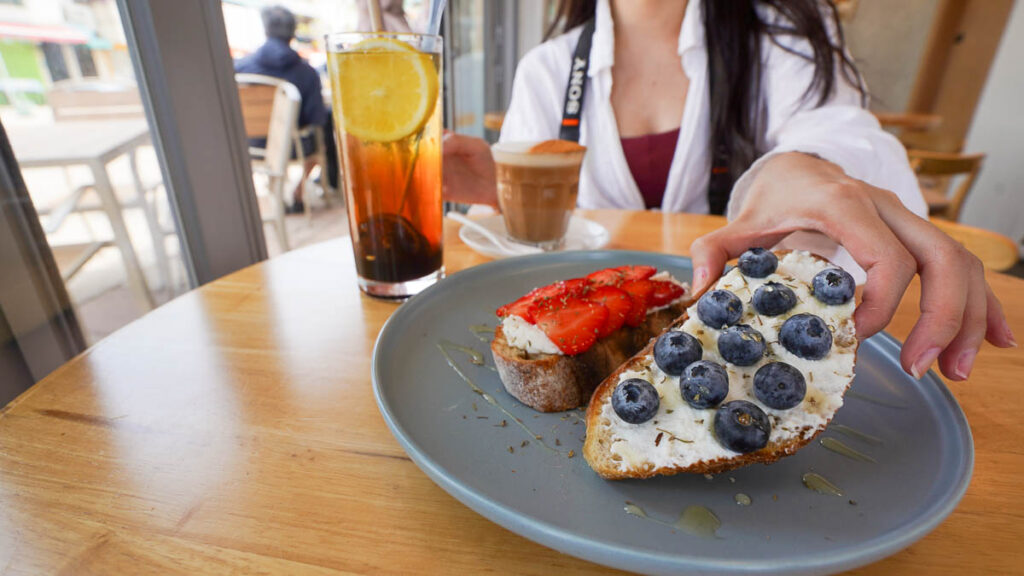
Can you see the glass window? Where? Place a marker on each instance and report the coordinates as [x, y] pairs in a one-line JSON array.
[[466, 45], [74, 116]]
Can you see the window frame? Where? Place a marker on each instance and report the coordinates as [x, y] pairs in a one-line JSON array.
[[181, 57], [38, 327]]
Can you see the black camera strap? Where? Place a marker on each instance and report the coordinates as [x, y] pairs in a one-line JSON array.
[[572, 108], [720, 183]]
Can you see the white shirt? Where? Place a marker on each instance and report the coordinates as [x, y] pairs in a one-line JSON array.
[[840, 130]]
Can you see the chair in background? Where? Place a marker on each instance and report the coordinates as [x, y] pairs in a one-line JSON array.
[[261, 107], [94, 100], [909, 121], [935, 170], [920, 131], [105, 100], [270, 110], [996, 251], [70, 257]]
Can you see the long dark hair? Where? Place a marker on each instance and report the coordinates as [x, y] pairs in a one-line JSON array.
[[733, 32]]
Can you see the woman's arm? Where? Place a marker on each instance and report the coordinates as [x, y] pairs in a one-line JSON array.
[[839, 130], [468, 170], [835, 183], [797, 192]]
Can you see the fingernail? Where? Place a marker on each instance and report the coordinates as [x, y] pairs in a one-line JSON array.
[[964, 364], [924, 362], [1009, 337]]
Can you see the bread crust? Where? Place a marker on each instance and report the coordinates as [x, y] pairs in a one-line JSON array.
[[553, 382], [597, 445]]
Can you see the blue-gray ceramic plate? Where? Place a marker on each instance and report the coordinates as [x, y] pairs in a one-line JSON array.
[[495, 464]]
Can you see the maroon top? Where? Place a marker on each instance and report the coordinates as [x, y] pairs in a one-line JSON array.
[[649, 158]]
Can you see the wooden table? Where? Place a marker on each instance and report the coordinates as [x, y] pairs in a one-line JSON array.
[[234, 429], [96, 143]]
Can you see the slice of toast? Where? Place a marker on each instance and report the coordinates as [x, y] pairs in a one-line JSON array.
[[554, 382], [681, 438]]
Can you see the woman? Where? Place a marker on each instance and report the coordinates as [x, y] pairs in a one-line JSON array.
[[760, 100]]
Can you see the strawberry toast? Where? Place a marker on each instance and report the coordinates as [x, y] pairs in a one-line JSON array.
[[558, 342]]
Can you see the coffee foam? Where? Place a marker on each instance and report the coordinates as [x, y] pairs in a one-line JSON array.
[[557, 147], [524, 154]]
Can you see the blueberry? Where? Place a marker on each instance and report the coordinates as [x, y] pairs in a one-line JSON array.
[[719, 308], [741, 426], [674, 351], [807, 336], [773, 299], [635, 400], [704, 384], [758, 263], [741, 345], [833, 286], [779, 385]]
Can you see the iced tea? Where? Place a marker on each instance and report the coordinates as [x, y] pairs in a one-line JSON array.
[[386, 99]]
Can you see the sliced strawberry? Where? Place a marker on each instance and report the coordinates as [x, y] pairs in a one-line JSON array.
[[637, 272], [573, 325], [553, 293], [618, 304], [640, 291], [554, 297], [665, 292], [524, 308], [573, 287], [544, 296], [616, 276], [606, 277]]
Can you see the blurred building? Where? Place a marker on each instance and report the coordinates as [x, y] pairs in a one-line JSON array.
[[48, 41]]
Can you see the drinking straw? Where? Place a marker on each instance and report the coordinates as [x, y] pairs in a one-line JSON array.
[[433, 28], [373, 7], [434, 23]]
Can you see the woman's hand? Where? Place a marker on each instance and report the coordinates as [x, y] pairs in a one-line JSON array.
[[468, 170], [796, 191]]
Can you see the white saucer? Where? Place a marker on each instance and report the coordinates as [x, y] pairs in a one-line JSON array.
[[583, 234]]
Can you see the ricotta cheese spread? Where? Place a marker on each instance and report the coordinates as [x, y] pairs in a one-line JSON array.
[[525, 336], [687, 432]]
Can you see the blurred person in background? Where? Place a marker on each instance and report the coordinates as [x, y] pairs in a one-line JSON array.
[[752, 109], [276, 58]]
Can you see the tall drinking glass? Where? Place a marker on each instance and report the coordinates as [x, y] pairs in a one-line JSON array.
[[386, 94]]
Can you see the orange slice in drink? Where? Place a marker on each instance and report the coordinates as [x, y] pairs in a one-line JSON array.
[[387, 89]]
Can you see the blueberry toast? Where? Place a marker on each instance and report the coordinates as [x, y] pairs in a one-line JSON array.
[[751, 373]]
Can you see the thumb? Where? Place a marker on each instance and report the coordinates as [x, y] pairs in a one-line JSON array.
[[453, 144], [711, 251]]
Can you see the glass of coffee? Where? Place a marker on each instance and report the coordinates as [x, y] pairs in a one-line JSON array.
[[386, 94], [537, 187]]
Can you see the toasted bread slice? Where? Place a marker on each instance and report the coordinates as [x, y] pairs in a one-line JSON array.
[[681, 438], [554, 382]]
